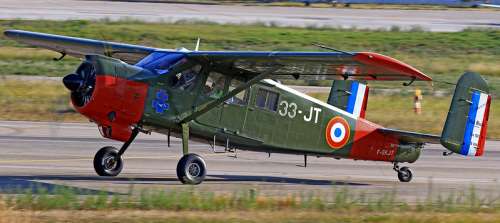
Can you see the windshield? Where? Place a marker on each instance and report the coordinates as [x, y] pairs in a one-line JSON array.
[[161, 62]]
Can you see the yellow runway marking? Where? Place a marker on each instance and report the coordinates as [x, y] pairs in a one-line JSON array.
[[89, 159], [42, 161]]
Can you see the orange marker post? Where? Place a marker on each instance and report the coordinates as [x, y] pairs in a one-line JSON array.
[[417, 106]]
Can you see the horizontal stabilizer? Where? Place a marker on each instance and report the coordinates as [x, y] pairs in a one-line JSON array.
[[411, 137]]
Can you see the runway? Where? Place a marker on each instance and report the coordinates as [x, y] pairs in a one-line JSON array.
[[431, 20], [61, 154]]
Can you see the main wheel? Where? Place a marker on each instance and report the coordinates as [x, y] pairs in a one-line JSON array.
[[404, 174], [191, 169], [107, 162]]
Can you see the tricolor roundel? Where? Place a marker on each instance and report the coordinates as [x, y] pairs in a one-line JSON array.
[[337, 132]]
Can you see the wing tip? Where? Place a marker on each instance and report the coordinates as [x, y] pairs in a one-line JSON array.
[[392, 64], [8, 33], [14, 32]]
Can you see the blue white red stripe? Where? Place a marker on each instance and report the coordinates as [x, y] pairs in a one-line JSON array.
[[356, 104], [475, 127]]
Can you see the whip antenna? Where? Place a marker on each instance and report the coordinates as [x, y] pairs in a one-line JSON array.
[[197, 44]]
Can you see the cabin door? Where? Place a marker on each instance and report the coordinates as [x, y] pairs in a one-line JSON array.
[[234, 110]]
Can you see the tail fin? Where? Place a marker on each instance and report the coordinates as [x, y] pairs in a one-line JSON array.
[[350, 96], [465, 128]]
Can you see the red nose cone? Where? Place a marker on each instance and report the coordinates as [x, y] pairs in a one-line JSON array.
[[116, 105]]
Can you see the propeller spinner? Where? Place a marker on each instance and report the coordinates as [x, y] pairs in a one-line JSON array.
[[81, 84]]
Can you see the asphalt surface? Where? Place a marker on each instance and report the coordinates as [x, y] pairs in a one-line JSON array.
[[61, 154], [432, 20]]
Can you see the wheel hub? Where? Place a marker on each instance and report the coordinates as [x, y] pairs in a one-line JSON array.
[[194, 169], [404, 174], [110, 162]]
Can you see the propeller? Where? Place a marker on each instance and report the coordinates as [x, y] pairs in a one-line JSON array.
[[81, 83], [73, 82]]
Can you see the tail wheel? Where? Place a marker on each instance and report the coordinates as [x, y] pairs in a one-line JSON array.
[[191, 169], [107, 162], [405, 174]]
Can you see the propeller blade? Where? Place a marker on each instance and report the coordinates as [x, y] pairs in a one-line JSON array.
[[73, 82]]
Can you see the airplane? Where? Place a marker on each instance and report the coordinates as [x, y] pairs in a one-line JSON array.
[[234, 100], [488, 5], [452, 3]]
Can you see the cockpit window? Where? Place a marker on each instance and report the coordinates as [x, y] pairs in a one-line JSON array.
[[240, 98], [214, 87], [267, 100], [186, 79], [161, 62]]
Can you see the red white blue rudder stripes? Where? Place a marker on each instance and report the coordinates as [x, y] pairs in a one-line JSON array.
[[464, 131], [356, 103], [476, 125]]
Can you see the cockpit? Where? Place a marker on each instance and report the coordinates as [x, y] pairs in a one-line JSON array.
[[161, 62], [184, 74]]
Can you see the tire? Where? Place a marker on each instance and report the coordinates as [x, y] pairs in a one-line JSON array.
[[191, 169], [405, 174], [103, 159]]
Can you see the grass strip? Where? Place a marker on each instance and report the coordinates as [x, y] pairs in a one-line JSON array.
[[140, 216], [339, 198]]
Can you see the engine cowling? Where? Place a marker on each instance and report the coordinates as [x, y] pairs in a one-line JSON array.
[[102, 90]]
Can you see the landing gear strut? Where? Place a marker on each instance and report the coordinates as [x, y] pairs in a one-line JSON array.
[[191, 168], [108, 160], [404, 173]]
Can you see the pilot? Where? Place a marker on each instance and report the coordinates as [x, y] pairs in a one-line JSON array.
[[186, 79], [218, 88]]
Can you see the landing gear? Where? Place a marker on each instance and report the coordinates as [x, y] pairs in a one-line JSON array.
[[108, 160], [191, 169], [404, 173]]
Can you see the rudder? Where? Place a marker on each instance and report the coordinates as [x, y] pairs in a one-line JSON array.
[[351, 96], [465, 129]]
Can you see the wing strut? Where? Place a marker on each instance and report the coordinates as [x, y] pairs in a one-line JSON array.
[[409, 83], [63, 54], [199, 110]]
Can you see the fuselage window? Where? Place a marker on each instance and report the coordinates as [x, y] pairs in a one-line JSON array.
[[214, 87], [261, 98], [240, 98], [186, 79], [272, 101], [267, 100]]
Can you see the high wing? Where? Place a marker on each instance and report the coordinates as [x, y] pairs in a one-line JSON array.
[[79, 47], [411, 137], [305, 65], [314, 65]]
